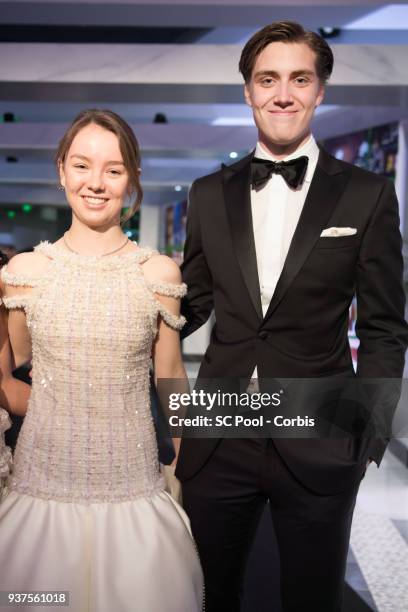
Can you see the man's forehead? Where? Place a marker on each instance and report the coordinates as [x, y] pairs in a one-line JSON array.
[[293, 53]]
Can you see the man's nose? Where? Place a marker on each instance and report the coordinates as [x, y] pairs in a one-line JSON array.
[[283, 94]]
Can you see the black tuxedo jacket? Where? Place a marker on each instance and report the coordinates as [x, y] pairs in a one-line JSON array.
[[304, 332]]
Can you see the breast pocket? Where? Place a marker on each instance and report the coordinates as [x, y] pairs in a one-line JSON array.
[[342, 242]]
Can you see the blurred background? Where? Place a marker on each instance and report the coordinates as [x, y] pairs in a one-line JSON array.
[[171, 70]]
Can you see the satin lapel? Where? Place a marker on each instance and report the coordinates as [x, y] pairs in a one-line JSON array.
[[236, 181], [328, 183]]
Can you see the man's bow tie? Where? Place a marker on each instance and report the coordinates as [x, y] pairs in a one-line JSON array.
[[293, 171]]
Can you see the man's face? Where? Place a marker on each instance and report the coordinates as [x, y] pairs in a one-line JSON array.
[[284, 91]]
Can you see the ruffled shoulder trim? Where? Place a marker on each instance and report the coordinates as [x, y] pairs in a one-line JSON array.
[[17, 301], [168, 289], [18, 280], [172, 320], [145, 253], [45, 247]]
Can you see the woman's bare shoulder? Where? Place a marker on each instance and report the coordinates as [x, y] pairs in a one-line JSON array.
[[28, 264], [162, 268]]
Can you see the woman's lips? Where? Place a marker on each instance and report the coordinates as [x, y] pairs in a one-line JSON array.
[[94, 201]]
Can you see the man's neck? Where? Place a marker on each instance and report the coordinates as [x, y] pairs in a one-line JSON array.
[[278, 151]]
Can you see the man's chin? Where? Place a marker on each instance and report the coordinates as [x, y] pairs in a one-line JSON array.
[[283, 141]]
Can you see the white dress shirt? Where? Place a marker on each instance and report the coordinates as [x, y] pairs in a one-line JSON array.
[[276, 210]]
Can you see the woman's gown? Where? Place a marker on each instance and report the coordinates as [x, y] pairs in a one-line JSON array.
[[85, 509]]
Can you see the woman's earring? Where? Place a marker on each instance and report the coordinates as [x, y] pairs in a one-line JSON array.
[[61, 188]]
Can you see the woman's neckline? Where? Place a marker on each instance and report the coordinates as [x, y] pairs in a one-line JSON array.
[[60, 249], [53, 249]]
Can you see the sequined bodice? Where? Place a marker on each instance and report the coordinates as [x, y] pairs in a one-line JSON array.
[[88, 435]]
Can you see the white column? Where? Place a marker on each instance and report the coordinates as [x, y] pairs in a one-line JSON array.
[[197, 343], [401, 176], [149, 231]]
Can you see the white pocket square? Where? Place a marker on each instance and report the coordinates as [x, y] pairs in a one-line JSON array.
[[336, 232]]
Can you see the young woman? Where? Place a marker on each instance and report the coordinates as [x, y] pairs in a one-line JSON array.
[[87, 511]]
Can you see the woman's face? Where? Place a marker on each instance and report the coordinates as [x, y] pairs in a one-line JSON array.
[[95, 178]]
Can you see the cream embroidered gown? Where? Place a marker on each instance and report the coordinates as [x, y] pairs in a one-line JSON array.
[[85, 509]]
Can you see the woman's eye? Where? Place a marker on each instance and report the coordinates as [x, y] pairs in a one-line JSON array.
[[80, 166], [115, 172]]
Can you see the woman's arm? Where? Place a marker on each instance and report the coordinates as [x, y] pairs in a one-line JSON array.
[[14, 394], [25, 265], [167, 357]]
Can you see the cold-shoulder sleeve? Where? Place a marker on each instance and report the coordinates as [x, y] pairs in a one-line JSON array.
[[169, 290], [17, 280]]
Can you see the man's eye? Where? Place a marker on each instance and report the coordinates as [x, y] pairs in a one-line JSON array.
[[301, 80], [267, 81]]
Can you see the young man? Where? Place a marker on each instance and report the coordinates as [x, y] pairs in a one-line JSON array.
[[279, 251]]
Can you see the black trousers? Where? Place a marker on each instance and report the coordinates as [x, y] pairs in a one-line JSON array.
[[225, 501]]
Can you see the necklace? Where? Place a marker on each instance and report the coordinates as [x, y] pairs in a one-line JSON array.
[[103, 254]]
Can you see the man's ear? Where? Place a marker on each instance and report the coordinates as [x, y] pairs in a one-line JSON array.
[[320, 95], [247, 95]]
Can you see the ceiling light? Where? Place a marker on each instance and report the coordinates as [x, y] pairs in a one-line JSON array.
[[329, 32], [232, 121]]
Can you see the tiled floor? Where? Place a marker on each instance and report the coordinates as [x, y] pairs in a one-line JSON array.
[[378, 559]]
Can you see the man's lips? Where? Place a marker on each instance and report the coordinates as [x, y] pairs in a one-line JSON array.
[[282, 113]]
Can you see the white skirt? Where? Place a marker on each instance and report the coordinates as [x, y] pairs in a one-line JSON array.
[[132, 556]]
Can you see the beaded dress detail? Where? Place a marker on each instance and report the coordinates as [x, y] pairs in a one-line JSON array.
[[90, 379], [88, 436]]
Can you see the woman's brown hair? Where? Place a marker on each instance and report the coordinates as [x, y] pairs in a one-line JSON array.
[[129, 147]]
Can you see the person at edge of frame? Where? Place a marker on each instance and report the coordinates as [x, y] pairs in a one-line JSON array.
[[14, 394]]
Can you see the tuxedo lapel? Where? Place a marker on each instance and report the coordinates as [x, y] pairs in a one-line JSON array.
[[236, 184], [328, 183]]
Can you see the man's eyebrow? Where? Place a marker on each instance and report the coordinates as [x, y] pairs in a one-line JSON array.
[[273, 73], [262, 73], [303, 72]]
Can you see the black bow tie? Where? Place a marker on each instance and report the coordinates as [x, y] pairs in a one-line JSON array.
[[293, 171]]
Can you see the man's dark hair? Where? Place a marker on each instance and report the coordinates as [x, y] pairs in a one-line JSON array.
[[287, 32]]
